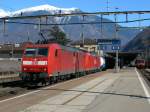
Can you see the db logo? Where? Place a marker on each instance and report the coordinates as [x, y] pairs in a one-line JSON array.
[[35, 62]]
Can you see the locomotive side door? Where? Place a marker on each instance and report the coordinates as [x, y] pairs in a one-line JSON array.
[[76, 62], [58, 62]]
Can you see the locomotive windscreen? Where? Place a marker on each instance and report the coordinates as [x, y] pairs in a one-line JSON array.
[[30, 52], [140, 61], [36, 52], [42, 51]]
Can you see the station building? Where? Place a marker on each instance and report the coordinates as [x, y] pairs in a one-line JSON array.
[[90, 45]]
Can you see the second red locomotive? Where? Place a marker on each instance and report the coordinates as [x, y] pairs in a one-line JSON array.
[[140, 63], [46, 62]]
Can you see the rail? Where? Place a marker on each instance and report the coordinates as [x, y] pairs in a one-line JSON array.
[[146, 75]]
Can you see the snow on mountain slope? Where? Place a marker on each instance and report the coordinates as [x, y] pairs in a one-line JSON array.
[[4, 13], [46, 7]]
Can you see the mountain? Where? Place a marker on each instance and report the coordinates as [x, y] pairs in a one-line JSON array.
[[21, 32], [140, 42], [48, 8]]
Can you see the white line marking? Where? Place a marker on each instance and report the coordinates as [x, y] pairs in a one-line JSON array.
[[144, 87], [29, 93]]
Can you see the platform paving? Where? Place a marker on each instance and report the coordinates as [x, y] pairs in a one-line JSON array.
[[113, 92]]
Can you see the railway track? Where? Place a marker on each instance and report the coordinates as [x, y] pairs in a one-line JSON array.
[[15, 88], [146, 75], [12, 85]]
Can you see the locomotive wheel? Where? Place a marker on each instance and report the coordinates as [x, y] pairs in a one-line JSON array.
[[51, 80]]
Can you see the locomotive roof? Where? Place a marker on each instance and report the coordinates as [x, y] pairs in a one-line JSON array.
[[70, 48], [37, 45]]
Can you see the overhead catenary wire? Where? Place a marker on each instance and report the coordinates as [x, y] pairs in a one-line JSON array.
[[10, 19], [77, 23], [77, 14], [39, 23], [141, 27]]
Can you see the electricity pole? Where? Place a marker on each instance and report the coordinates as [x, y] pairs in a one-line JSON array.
[[107, 5], [117, 50], [12, 50], [82, 34]]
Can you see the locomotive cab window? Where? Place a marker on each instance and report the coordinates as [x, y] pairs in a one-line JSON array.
[[42, 52], [36, 52], [30, 52]]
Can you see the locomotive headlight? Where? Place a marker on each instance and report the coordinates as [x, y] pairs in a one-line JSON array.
[[45, 69], [24, 68], [42, 62], [27, 62]]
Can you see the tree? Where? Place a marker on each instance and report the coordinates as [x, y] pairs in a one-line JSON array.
[[58, 36]]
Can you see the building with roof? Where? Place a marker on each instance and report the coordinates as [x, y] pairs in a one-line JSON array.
[[90, 45]]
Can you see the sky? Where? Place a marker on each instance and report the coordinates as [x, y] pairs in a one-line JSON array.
[[84, 5]]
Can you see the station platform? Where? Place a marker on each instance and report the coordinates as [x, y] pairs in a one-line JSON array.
[[114, 92], [125, 91]]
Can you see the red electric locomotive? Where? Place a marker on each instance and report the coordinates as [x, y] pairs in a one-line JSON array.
[[140, 63], [47, 62]]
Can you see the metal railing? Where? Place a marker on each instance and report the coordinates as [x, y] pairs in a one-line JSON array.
[[9, 76]]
